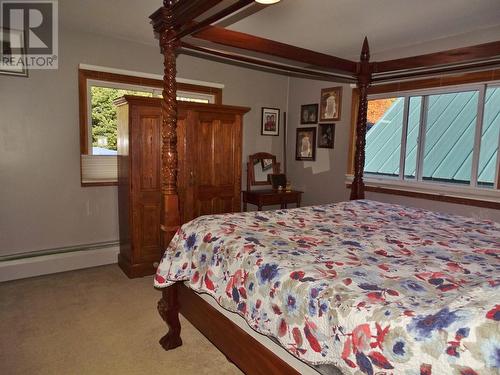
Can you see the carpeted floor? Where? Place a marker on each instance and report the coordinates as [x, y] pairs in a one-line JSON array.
[[94, 321]]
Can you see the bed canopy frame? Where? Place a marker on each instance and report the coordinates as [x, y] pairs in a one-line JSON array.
[[179, 29]]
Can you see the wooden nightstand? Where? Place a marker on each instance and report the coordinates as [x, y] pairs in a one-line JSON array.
[[271, 197]]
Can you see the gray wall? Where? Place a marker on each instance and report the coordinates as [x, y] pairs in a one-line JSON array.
[[323, 181], [42, 205]]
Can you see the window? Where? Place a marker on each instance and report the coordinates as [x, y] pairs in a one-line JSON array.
[[103, 126], [383, 137], [98, 126], [445, 136]]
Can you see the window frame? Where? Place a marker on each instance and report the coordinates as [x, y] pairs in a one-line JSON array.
[[421, 139], [86, 76], [470, 194]]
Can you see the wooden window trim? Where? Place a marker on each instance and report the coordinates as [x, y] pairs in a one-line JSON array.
[[434, 197], [421, 84], [441, 81], [85, 74], [104, 183], [352, 131]]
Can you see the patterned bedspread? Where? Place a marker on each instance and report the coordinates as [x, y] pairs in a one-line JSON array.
[[372, 288]]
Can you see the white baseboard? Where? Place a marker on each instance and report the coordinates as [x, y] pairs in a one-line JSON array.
[[54, 263]]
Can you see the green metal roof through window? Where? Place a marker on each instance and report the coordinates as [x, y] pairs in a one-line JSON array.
[[449, 137]]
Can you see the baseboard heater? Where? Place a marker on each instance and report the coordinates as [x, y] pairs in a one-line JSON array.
[[44, 262]]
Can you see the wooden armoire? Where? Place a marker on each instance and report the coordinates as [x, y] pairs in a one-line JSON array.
[[209, 178]]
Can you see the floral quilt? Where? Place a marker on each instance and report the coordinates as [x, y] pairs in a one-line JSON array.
[[369, 287]]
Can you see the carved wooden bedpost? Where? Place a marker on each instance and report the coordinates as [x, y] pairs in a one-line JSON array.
[[168, 308], [364, 79], [164, 25]]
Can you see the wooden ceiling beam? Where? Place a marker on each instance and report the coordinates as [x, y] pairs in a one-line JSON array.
[[397, 76], [187, 11], [195, 27], [182, 12], [268, 64], [249, 42], [449, 57]]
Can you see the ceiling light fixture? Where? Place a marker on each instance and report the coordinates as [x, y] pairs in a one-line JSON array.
[[267, 2]]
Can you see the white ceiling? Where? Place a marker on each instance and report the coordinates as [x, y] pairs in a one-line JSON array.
[[395, 28], [125, 19], [338, 27]]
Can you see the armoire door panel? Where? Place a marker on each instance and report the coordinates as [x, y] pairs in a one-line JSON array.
[[212, 191], [145, 143], [205, 148], [237, 139], [187, 193], [223, 204], [147, 236], [203, 207], [212, 206], [217, 142], [149, 146], [224, 143], [150, 219]]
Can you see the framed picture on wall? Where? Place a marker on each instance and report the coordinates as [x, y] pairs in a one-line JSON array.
[[305, 147], [309, 114], [330, 104], [326, 135], [12, 54], [270, 121]]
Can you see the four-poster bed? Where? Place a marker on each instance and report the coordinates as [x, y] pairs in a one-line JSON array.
[[178, 19]]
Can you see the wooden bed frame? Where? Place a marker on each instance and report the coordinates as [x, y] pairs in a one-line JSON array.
[[176, 20]]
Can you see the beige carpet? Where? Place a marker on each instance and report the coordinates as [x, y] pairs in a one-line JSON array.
[[94, 321]]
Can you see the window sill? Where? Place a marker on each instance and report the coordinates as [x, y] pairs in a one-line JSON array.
[[99, 183], [487, 198]]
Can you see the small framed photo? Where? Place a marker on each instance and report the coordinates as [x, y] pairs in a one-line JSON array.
[[330, 104], [326, 135], [12, 53], [270, 121], [309, 114], [305, 148]]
